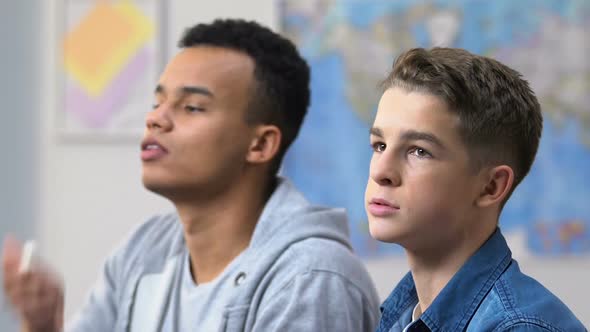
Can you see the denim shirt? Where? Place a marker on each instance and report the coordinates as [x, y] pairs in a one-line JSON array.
[[488, 293]]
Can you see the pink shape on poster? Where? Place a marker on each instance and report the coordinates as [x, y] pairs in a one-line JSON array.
[[96, 113]]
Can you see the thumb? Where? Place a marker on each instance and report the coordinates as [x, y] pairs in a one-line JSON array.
[[11, 252]]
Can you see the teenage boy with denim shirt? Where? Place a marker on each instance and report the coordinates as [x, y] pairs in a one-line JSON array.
[[454, 134]]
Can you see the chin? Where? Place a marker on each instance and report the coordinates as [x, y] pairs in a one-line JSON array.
[[381, 231], [157, 186], [153, 187]]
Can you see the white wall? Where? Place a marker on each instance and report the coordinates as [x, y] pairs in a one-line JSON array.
[[92, 194]]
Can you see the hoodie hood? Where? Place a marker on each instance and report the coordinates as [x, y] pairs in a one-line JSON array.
[[288, 218]]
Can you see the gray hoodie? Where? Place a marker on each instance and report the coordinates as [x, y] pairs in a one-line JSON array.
[[298, 274]]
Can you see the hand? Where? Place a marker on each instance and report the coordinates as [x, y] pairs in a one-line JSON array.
[[36, 294]]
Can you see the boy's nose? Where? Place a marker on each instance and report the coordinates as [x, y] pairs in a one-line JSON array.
[[383, 171]]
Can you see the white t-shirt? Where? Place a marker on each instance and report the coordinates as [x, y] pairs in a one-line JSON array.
[[200, 307]]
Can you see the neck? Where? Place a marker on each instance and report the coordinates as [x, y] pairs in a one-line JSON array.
[[220, 228], [434, 267]]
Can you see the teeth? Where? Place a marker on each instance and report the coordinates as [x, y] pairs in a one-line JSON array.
[[152, 147]]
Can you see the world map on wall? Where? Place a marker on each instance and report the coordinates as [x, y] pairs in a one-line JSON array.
[[350, 46]]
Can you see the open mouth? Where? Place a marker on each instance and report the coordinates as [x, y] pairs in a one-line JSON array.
[[152, 150]]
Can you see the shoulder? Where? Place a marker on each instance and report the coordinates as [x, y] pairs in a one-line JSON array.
[[533, 324], [324, 255], [324, 263], [521, 303], [312, 283]]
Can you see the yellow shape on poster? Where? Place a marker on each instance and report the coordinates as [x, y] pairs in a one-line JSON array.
[[98, 48]]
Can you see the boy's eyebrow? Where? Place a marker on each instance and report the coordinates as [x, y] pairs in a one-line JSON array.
[[187, 90], [376, 132], [414, 135]]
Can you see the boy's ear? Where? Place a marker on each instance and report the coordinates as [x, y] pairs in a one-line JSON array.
[[265, 144], [497, 184]]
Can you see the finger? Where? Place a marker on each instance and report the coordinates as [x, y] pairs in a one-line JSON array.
[[11, 252], [13, 284], [35, 284], [26, 287]]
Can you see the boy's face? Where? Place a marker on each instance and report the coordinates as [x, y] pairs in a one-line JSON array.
[[421, 190], [198, 122]]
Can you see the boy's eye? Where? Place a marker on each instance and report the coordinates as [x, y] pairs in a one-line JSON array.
[[192, 109], [420, 153], [154, 106], [378, 147]]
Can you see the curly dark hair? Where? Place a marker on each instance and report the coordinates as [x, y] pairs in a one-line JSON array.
[[282, 92]]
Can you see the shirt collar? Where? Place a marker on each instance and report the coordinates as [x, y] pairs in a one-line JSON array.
[[400, 301], [454, 306]]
